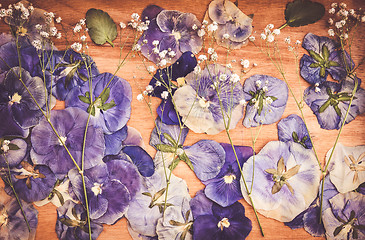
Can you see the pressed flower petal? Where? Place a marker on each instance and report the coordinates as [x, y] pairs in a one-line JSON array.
[[141, 159], [12, 157], [292, 128]]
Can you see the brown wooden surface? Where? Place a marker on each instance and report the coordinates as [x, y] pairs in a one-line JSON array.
[[265, 12]]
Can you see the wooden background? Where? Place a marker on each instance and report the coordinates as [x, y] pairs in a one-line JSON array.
[[265, 12]]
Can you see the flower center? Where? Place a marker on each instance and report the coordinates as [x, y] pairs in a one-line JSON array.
[[96, 189], [63, 140], [177, 35], [22, 31], [224, 223], [229, 178], [15, 98], [204, 103]]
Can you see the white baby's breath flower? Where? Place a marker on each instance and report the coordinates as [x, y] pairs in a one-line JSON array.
[[352, 11], [145, 41], [338, 25], [212, 27], [38, 27], [53, 31], [270, 26], [59, 35], [223, 77], [77, 28], [243, 102], [258, 83], [363, 18], [83, 38], [44, 34], [140, 97], [265, 88], [172, 54], [297, 42], [136, 47], [58, 20], [235, 78], [37, 44], [76, 46], [201, 32], [252, 38], [276, 31], [163, 62], [156, 50], [317, 89], [194, 27], [345, 36], [343, 22], [155, 42], [135, 16], [122, 25], [162, 54], [331, 33], [331, 11], [157, 84], [334, 5], [287, 40], [245, 63], [263, 36], [202, 58], [151, 69], [82, 22], [343, 5], [229, 66], [270, 38], [214, 57], [254, 64], [330, 21], [149, 88], [164, 94], [210, 51]]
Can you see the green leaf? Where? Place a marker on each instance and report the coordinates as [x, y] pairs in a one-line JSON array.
[[324, 106], [303, 12], [333, 64], [12, 146], [108, 106], [322, 72], [170, 139], [186, 159], [316, 56], [325, 52], [84, 99], [295, 137], [174, 164], [337, 110], [314, 65], [105, 96], [165, 148], [101, 27]]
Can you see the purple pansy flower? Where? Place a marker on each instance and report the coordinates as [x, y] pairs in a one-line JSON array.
[[347, 167], [66, 70], [323, 59], [213, 222], [148, 204], [112, 109], [169, 34], [293, 129], [330, 101], [17, 102], [165, 79], [141, 159], [225, 189], [12, 152], [12, 222], [345, 219], [110, 186], [32, 182], [72, 223], [266, 99], [70, 125], [176, 224], [234, 27], [286, 180], [114, 141], [205, 96]]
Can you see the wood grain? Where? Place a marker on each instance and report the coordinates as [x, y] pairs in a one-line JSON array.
[[265, 12]]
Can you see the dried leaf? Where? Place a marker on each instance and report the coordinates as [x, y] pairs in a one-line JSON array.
[[101, 27]]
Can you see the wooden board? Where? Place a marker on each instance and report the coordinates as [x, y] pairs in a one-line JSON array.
[[265, 12]]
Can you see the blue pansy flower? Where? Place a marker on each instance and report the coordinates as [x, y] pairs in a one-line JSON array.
[[266, 99], [66, 70], [17, 102], [230, 20], [330, 101], [323, 59], [176, 223], [32, 182], [70, 125], [293, 129], [114, 141], [214, 222], [110, 187], [141, 159], [225, 189], [72, 223], [12, 152], [345, 219], [288, 177], [112, 109], [169, 34], [210, 101], [12, 222], [147, 207]]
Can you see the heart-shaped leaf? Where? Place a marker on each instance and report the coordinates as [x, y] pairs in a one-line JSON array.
[[303, 12], [101, 26]]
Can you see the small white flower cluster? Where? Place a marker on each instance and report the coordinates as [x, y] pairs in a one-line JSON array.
[[164, 56], [137, 23], [269, 33], [288, 41], [151, 69], [17, 10], [76, 46], [5, 146], [317, 89], [343, 20], [212, 27], [235, 78]]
